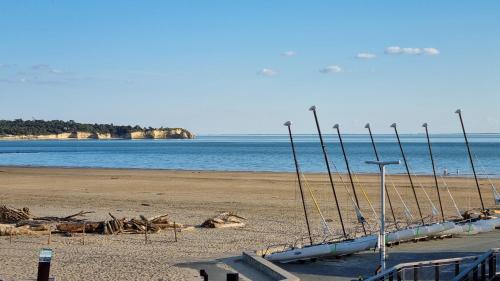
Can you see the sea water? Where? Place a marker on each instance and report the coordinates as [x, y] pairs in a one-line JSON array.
[[258, 153]]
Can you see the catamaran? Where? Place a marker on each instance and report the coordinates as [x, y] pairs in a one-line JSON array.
[[340, 247], [485, 222], [346, 244]]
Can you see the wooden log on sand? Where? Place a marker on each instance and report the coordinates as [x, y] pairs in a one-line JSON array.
[[224, 220], [77, 227], [33, 224], [10, 230], [68, 218]]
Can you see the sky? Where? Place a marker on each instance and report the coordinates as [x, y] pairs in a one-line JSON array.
[[245, 67]]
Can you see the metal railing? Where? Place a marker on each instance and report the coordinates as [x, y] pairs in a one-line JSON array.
[[484, 268], [474, 268]]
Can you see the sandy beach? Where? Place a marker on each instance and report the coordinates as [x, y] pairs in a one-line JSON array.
[[269, 201]]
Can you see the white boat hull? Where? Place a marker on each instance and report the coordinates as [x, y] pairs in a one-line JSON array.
[[471, 228], [347, 247], [418, 232], [325, 250]]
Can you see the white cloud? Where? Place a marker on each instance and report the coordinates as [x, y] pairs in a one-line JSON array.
[[396, 50], [393, 50], [331, 69], [412, 51], [289, 53], [267, 72], [365, 56], [431, 51]]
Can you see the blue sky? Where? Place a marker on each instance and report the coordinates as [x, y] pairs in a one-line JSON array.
[[247, 66]]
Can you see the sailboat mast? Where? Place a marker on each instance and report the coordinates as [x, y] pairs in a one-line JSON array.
[[433, 169], [336, 126], [459, 112], [378, 159], [289, 124], [408, 173], [323, 147]]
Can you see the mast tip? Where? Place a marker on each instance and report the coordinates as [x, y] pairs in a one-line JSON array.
[[367, 125], [336, 126], [424, 125], [458, 111], [393, 125], [312, 108], [287, 123]]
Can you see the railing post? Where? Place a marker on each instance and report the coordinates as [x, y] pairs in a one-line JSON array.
[[436, 272], [491, 272], [204, 274], [415, 273], [232, 277], [483, 270], [494, 258], [457, 268], [398, 275], [391, 276], [475, 273]]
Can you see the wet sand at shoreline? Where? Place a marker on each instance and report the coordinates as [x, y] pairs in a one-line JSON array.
[[270, 202]]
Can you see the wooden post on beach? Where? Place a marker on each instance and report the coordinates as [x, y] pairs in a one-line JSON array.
[[175, 232], [10, 237], [146, 233], [49, 239]]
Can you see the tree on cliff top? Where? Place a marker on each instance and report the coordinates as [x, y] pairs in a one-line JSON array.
[[42, 127]]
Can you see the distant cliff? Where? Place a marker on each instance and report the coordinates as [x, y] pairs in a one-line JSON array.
[[58, 130]]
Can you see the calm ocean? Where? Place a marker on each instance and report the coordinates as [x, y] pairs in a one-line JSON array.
[[255, 153]]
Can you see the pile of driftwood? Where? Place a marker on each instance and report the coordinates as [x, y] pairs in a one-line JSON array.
[[225, 219], [22, 222], [123, 225]]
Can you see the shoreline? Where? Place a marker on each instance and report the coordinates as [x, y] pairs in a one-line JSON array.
[[86, 139], [452, 176]]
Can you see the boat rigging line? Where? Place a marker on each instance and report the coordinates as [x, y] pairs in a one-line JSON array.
[[288, 124], [360, 217], [408, 173], [459, 112], [325, 155], [425, 125]]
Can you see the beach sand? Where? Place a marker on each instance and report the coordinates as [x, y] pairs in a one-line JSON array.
[[270, 202]]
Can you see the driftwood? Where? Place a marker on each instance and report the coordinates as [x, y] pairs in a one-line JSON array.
[[223, 220], [8, 230], [11, 215], [78, 227], [60, 219], [26, 223], [34, 225], [124, 225]]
